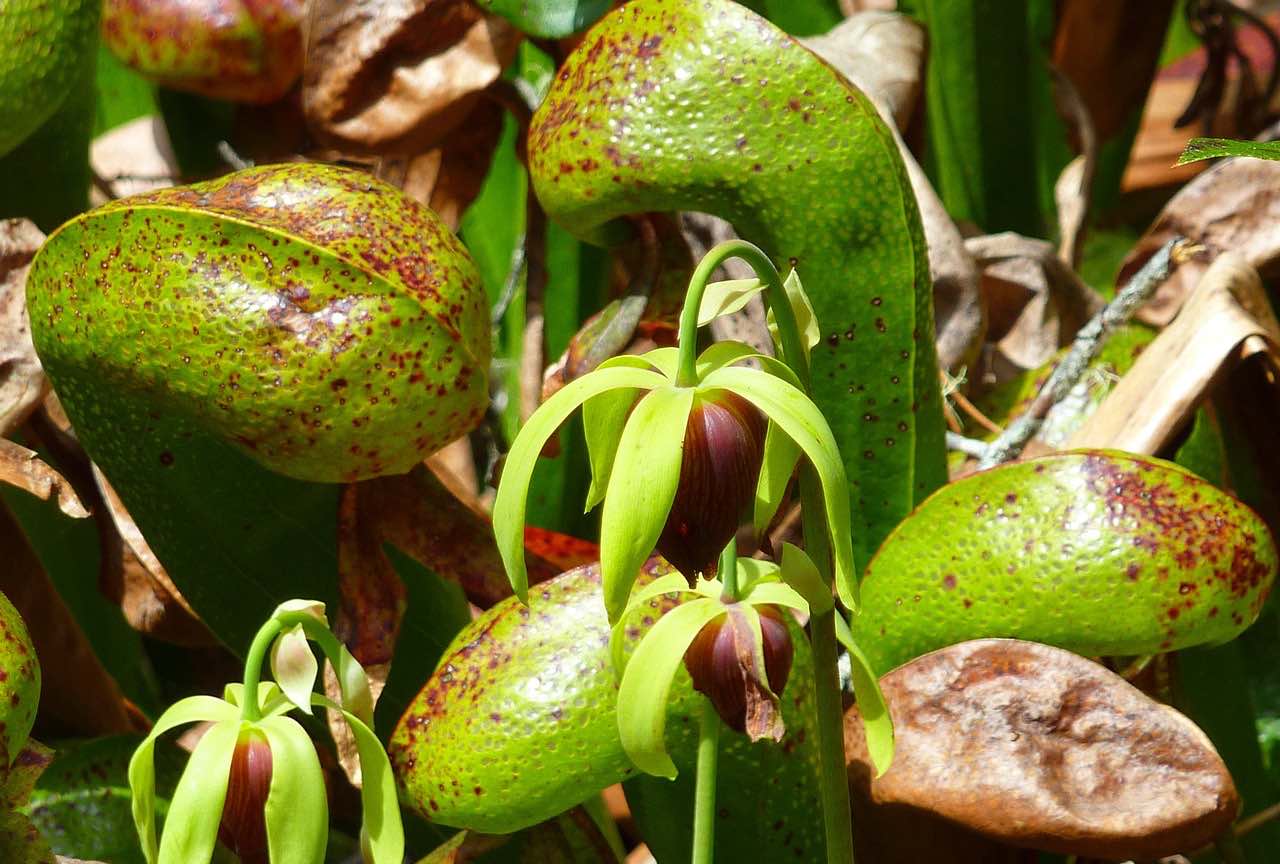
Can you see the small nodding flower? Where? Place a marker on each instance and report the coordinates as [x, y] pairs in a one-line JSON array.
[[721, 660], [719, 469]]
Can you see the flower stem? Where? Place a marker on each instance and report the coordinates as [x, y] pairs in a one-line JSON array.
[[727, 570], [687, 364], [834, 781], [704, 796], [251, 710]]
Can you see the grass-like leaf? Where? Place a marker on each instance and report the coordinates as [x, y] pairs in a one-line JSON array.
[[1210, 148]]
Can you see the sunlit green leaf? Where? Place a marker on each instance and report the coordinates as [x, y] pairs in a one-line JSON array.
[[876, 718], [294, 666], [806, 319], [781, 454], [142, 776], [646, 472], [603, 419], [799, 571], [509, 506], [1209, 148], [672, 583]]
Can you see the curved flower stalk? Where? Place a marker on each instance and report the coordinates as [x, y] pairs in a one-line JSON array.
[[636, 412], [254, 780]]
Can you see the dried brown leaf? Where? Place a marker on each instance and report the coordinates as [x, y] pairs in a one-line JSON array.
[[1226, 319], [395, 78], [79, 697], [447, 178], [25, 469], [1038, 747], [151, 603], [1232, 207], [1035, 303], [133, 158], [22, 381]]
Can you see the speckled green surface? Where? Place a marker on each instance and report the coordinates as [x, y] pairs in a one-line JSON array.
[[19, 683], [42, 43], [674, 105], [81, 803], [1098, 552], [518, 724], [224, 49], [377, 283], [318, 319]]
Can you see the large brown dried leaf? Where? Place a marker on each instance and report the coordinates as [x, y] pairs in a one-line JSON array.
[[78, 695], [1041, 748], [394, 77], [1234, 206], [25, 469], [1227, 319], [22, 381]]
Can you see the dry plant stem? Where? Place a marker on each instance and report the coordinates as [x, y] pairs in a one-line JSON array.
[[1087, 344]]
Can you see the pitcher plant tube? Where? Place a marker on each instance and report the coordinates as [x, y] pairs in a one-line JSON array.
[[254, 780], [676, 440]]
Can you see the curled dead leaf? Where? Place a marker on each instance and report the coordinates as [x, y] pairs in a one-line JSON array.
[[151, 603], [25, 469], [1035, 302], [1038, 747], [397, 77], [1225, 320], [1232, 207], [22, 381], [447, 178]]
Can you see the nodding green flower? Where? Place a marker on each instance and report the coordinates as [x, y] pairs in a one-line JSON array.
[[254, 780], [738, 653], [673, 456]]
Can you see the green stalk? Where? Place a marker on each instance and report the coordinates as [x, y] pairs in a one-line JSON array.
[[315, 630], [727, 570], [837, 815], [704, 795], [687, 364]]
